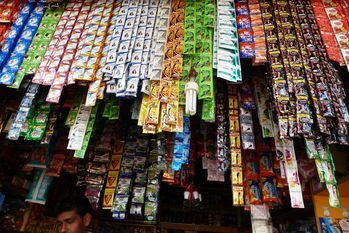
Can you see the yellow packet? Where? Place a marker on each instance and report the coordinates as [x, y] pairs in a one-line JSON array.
[[163, 125], [115, 163], [143, 110], [232, 90], [153, 110], [164, 93], [233, 102], [236, 175], [176, 66], [108, 198], [234, 124], [166, 70], [238, 195], [112, 179], [235, 141], [154, 90], [172, 113], [236, 158], [174, 92]]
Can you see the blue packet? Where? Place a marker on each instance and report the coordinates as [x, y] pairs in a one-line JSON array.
[[19, 22], [34, 21], [13, 63], [178, 149], [176, 165], [28, 33], [21, 48], [39, 9], [7, 78], [247, 53]]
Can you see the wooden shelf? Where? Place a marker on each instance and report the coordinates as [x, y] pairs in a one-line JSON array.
[[192, 227]]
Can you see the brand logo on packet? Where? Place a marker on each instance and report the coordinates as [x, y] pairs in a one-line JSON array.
[[115, 163], [111, 180], [25, 9], [107, 198]]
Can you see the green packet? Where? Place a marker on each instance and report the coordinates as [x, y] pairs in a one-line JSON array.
[[208, 110], [106, 111], [41, 118], [36, 132], [210, 12], [80, 154], [111, 109], [182, 92], [150, 211], [189, 41], [189, 29], [205, 82], [114, 112]]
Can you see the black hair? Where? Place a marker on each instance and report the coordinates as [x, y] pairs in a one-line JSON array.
[[74, 202]]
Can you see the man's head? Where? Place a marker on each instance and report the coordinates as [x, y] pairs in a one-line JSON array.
[[74, 214]]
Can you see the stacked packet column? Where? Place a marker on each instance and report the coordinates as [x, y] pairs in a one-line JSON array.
[[113, 176], [339, 23], [16, 29], [312, 66], [258, 32], [96, 89], [163, 111], [57, 44], [155, 67], [39, 44], [327, 33], [73, 31], [223, 155], [245, 33], [228, 63], [9, 11], [329, 86], [235, 147], [15, 57], [278, 73]]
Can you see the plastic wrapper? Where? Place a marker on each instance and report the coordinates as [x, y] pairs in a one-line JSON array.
[[93, 193], [94, 179], [238, 195], [123, 186], [12, 65], [252, 171], [120, 206], [96, 168], [269, 190], [138, 195], [40, 187], [266, 165], [334, 198], [254, 193]]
